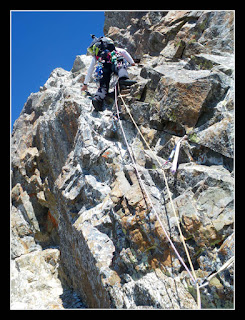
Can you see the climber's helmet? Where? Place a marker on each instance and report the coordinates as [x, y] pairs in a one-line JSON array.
[[100, 44]]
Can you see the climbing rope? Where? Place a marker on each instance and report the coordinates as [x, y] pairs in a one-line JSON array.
[[225, 266], [193, 275]]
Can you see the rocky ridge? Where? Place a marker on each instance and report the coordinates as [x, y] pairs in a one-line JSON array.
[[83, 235]]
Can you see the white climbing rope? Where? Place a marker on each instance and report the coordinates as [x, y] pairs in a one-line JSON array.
[[193, 275], [225, 266]]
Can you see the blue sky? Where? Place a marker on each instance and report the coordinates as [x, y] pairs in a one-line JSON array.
[[43, 41]]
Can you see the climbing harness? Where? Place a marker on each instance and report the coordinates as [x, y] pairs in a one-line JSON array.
[[192, 275]]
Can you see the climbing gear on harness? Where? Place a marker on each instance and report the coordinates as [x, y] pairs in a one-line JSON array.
[[98, 73], [122, 63], [113, 57]]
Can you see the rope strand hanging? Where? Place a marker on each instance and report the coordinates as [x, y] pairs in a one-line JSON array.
[[192, 275]]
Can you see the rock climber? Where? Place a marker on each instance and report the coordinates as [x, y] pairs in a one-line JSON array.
[[111, 59]]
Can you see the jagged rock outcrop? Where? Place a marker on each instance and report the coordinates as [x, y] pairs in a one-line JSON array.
[[83, 234]]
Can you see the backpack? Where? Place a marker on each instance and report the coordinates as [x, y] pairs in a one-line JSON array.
[[100, 47]]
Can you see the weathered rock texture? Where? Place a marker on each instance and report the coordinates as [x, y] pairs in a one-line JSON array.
[[83, 235]]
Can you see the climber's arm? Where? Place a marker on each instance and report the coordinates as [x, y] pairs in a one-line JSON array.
[[126, 55], [89, 74]]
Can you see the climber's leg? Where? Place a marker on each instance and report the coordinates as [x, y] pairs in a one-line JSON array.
[[101, 93], [123, 75]]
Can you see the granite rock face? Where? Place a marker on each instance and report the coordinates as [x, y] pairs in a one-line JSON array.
[[83, 234]]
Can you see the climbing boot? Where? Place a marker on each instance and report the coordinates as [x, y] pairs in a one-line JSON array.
[[109, 99], [126, 82], [97, 103]]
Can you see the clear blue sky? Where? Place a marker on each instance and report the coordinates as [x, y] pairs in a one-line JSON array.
[[43, 41]]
